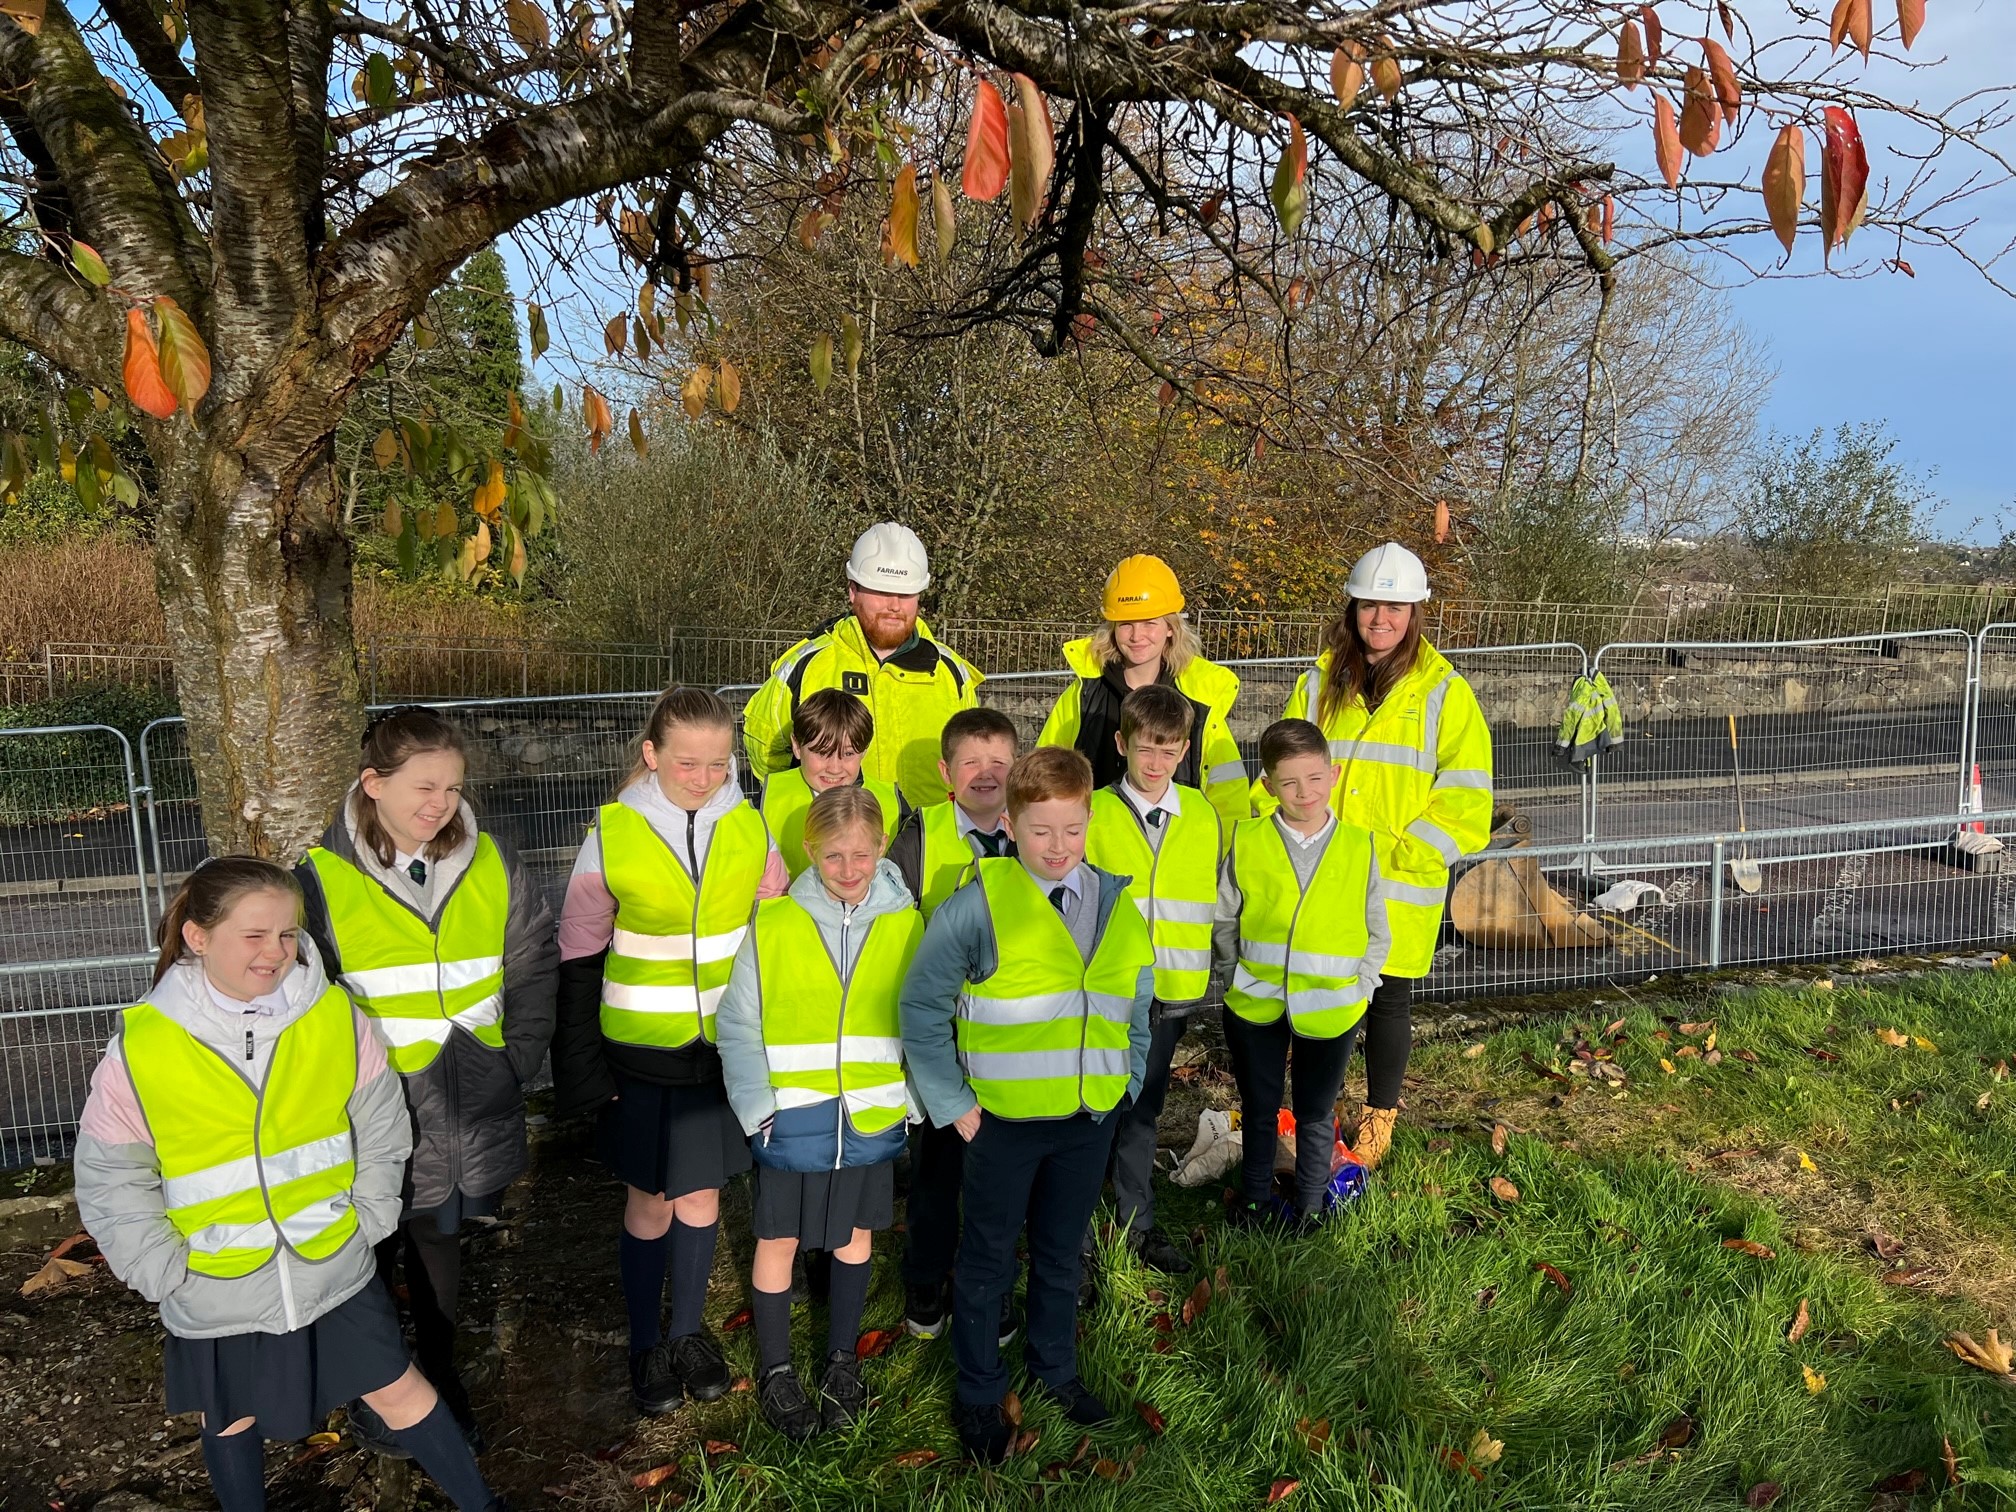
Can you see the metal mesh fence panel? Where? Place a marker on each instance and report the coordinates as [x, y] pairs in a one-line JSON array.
[[71, 880], [1827, 732], [398, 668], [1994, 743]]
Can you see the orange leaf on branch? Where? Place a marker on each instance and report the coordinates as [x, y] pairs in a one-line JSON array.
[[1722, 72], [185, 361], [1844, 180], [1700, 115], [1910, 21], [1854, 20], [1630, 57], [1655, 34], [1033, 148], [143, 369], [1666, 140], [899, 241], [1386, 72], [1785, 183], [1347, 72], [986, 171]]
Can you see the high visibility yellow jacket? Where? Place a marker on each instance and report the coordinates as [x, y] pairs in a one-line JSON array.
[[1312, 952], [911, 695], [244, 1171], [787, 798], [1213, 764], [1175, 884], [1417, 774]]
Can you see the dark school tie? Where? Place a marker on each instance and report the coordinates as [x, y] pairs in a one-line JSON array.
[[417, 870], [1057, 895]]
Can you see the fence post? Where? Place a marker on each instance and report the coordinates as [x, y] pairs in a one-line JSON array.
[[1970, 731], [1715, 863]]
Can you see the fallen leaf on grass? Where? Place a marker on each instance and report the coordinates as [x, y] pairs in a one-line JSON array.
[[1106, 1469], [741, 1320], [1893, 1039], [1749, 1058], [1700, 1027], [1566, 1286], [1455, 1459], [1198, 1300], [1687, 1052], [1666, 1065], [1503, 1190], [1612, 1027], [1316, 1435], [1162, 1323], [1952, 1461], [717, 1447], [1157, 1425], [1162, 1346], [1439, 1147], [657, 1475], [1473, 1052], [1763, 1494], [1806, 1163], [1924, 1044], [1284, 1487], [911, 1459], [1981, 1102], [1221, 1283], [1903, 1483], [1991, 1355], [1024, 1441], [742, 1383], [53, 1274], [1750, 1247], [1801, 1321], [1486, 1297], [1815, 1381], [1678, 1433], [1079, 1453], [1821, 1055], [1885, 1246], [1011, 1409], [1914, 1276], [1484, 1449], [874, 1342], [1498, 1139]]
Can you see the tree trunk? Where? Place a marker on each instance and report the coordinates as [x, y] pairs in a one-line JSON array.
[[254, 571]]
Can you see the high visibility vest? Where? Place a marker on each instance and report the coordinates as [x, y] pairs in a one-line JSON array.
[[418, 982], [787, 798], [825, 1039], [1046, 1036], [1310, 953], [1417, 774], [675, 939], [1221, 773], [243, 1171], [1175, 887], [948, 857]]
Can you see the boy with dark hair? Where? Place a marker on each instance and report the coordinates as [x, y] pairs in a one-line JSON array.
[[1168, 838], [830, 732], [1301, 930], [1025, 1024]]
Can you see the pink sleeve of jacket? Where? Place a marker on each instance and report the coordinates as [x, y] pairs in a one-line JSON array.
[[112, 1112]]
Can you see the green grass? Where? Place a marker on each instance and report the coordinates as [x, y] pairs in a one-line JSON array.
[[1377, 1325]]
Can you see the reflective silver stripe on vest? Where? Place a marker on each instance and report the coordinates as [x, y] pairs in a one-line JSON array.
[[1407, 892], [1178, 913], [1323, 999], [482, 1013], [1046, 1065], [229, 1236], [311, 1220], [1040, 1009], [1175, 958], [401, 1030], [1463, 777], [1433, 834], [824, 1054], [640, 997], [890, 1094], [1308, 962], [1244, 981], [230, 1177], [680, 947], [397, 981], [1386, 753], [1226, 771]]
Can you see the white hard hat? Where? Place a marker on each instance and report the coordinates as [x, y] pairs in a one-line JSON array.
[[1389, 574], [888, 558]]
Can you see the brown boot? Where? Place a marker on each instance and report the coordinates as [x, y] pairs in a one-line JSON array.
[[1375, 1136]]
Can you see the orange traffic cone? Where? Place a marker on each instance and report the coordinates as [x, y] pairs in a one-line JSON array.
[[1974, 805]]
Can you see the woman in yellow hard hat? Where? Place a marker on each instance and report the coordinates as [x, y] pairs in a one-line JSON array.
[[1144, 638]]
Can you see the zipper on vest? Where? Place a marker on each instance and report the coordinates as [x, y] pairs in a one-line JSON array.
[[693, 863], [249, 1047]]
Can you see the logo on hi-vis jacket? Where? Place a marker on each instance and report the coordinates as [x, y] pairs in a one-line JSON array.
[[855, 683]]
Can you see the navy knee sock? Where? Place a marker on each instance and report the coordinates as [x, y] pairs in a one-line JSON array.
[[237, 1466], [692, 1264], [773, 1327], [436, 1442], [642, 1264], [849, 1299]]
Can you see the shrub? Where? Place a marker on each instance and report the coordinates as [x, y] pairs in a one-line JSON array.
[[45, 777]]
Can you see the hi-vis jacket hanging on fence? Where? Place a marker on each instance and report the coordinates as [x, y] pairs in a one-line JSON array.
[[787, 798], [1417, 774], [1048, 1034], [1092, 704], [244, 1171], [1175, 885], [460, 991], [1592, 723], [1315, 953], [911, 695], [676, 935]]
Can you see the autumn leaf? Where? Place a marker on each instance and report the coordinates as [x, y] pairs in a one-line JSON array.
[[944, 220], [1503, 1190], [490, 492], [1991, 1355], [535, 325], [1630, 56], [1801, 1321], [1456, 1459], [1561, 1282], [1498, 1139], [1666, 1065], [1195, 1304], [1284, 1487], [1025, 1441], [1165, 395], [614, 334], [1750, 1247], [1722, 73], [1441, 521], [693, 392], [640, 337], [596, 415], [1484, 1449], [1854, 20], [1106, 1469], [1910, 21], [639, 443], [874, 1343], [1316, 1435], [1150, 1415], [1347, 72], [516, 565], [1924, 1044], [89, 265], [899, 243], [527, 25], [911, 1459], [1785, 185], [1952, 1461], [143, 369], [1763, 1494], [1655, 34], [819, 361], [385, 449], [1913, 1276], [54, 1272], [1609, 219], [1666, 140], [1700, 115], [851, 344], [657, 1475], [1677, 1434], [1289, 193], [987, 167], [728, 387], [1011, 1408], [1033, 151], [1386, 76], [718, 1447], [1893, 1039], [26, 14], [185, 361]]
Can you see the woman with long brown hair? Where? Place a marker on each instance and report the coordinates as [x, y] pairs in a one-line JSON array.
[[1414, 760]]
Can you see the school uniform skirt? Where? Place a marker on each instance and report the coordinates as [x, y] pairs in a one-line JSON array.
[[821, 1209], [670, 1141], [289, 1382]]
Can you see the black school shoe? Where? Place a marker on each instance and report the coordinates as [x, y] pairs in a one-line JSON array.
[[1075, 1400], [1161, 1253], [926, 1309], [1254, 1217], [654, 1381], [782, 1397], [843, 1395], [984, 1431], [700, 1366]]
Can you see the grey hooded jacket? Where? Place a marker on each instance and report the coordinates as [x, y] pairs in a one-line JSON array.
[[118, 1171], [469, 1104]]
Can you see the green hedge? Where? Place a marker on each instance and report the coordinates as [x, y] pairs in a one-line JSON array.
[[56, 777]]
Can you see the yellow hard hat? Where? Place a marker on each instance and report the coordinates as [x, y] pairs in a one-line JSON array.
[[1142, 587]]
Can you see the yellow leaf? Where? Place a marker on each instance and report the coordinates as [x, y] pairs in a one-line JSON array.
[[614, 334], [490, 493], [899, 242], [1991, 1355], [943, 218], [385, 450], [444, 519], [518, 557], [527, 24], [1924, 1044], [482, 541], [1665, 1065], [851, 344], [1709, 1043], [395, 521], [185, 361], [728, 387], [1032, 148], [1503, 1190], [1484, 1449], [1347, 72], [638, 443], [26, 14], [693, 393], [1806, 1162], [820, 362], [1893, 1039], [1815, 1381]]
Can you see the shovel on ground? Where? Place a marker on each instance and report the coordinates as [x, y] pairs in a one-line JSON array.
[[1742, 870]]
